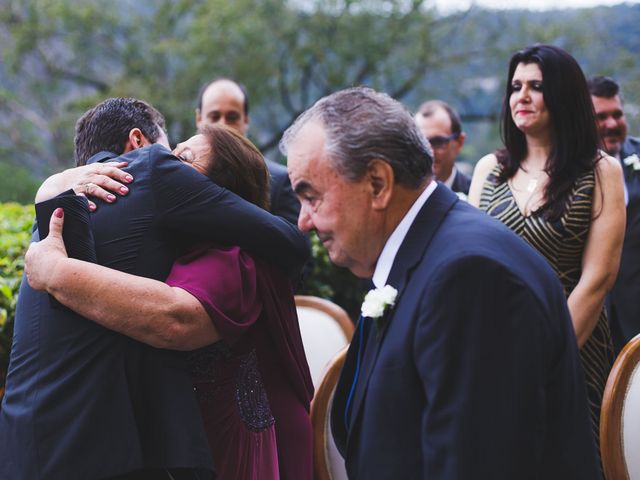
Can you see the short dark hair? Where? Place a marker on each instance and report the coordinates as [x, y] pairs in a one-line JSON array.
[[237, 164], [107, 125], [604, 87], [427, 109], [362, 125], [573, 130], [242, 88]]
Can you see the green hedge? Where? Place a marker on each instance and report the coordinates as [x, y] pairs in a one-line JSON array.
[[15, 224], [17, 184], [325, 280]]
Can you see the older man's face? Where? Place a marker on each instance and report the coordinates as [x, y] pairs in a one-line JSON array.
[[339, 210], [612, 124]]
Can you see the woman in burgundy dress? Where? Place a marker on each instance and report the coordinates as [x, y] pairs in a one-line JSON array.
[[249, 373]]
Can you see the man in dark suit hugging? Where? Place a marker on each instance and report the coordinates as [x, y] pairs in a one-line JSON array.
[[465, 364], [85, 402]]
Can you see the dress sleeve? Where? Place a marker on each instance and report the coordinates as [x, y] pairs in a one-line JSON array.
[[223, 279]]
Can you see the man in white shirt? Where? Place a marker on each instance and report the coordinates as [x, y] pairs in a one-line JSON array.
[[466, 364]]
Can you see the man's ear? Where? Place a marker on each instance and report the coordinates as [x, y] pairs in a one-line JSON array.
[[460, 141], [245, 127], [382, 179], [135, 140]]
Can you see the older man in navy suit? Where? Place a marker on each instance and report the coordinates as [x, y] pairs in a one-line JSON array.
[[465, 365], [85, 402]]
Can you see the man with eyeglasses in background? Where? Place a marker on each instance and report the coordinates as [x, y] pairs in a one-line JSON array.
[[440, 124]]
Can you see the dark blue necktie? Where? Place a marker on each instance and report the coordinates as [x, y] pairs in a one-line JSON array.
[[347, 408]]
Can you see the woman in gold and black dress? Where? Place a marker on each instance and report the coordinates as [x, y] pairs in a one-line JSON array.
[[555, 188]]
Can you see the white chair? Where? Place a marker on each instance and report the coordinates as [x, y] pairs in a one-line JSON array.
[[328, 464], [620, 416], [325, 329]]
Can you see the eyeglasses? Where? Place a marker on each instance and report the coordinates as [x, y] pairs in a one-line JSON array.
[[442, 141]]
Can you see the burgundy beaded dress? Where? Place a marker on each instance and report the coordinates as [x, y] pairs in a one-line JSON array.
[[254, 385]]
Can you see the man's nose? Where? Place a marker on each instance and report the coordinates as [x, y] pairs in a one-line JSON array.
[[304, 220], [610, 122]]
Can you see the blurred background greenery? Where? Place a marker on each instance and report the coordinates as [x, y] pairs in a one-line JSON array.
[[60, 57]]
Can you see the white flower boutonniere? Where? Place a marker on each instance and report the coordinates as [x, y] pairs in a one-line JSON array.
[[377, 301], [462, 196], [632, 161]]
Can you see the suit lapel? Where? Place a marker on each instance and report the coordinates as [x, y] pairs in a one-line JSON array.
[[411, 252]]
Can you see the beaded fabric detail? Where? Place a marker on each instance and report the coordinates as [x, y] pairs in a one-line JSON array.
[[204, 364], [251, 396]]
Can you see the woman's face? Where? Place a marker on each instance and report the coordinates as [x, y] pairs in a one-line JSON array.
[[196, 152], [528, 110]]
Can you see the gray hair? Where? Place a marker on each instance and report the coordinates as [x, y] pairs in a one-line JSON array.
[[362, 125]]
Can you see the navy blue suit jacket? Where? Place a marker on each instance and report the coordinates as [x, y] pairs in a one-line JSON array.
[[84, 402], [624, 312], [475, 372], [282, 199]]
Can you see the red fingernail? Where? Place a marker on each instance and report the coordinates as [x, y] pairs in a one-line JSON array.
[[124, 190], [128, 178], [59, 212], [111, 198]]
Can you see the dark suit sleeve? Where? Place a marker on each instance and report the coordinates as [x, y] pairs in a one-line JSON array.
[[477, 350], [189, 203], [77, 234], [284, 202]]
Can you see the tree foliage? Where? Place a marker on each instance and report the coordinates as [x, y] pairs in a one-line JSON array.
[[62, 56], [15, 224]]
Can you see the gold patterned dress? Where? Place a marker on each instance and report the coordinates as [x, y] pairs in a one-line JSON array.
[[561, 242]]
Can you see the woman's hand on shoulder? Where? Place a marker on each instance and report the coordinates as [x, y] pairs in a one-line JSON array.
[[480, 173], [97, 180]]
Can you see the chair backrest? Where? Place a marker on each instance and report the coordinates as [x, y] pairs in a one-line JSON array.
[[620, 416], [325, 329], [328, 464]]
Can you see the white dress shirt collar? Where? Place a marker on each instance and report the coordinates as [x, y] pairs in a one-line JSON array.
[[390, 250]]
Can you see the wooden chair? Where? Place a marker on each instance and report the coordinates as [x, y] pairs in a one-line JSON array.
[[328, 464], [325, 329], [620, 416]]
